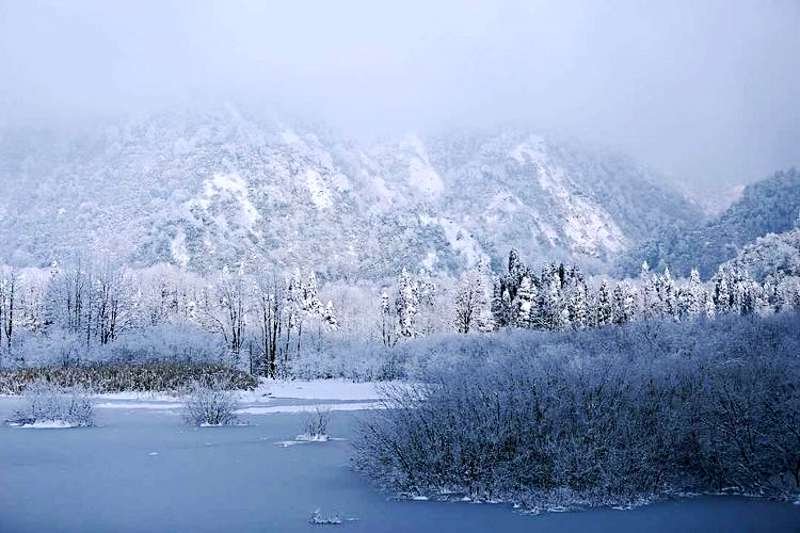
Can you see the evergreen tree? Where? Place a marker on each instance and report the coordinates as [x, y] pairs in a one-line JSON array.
[[523, 304], [578, 306], [603, 313], [623, 304], [649, 299], [723, 301]]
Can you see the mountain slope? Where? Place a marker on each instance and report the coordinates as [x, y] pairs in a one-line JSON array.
[[775, 254], [208, 189], [768, 206]]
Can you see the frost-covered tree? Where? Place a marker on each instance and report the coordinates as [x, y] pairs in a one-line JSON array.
[[8, 307], [523, 303], [472, 306], [623, 304], [603, 312], [387, 323], [723, 298], [224, 309], [407, 304], [578, 306], [648, 301]]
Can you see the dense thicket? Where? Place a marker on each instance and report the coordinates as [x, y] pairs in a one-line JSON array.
[[601, 416], [117, 377]]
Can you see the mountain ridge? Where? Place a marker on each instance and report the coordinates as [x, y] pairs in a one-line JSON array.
[[203, 190]]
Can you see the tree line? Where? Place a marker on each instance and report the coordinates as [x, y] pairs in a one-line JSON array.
[[263, 319]]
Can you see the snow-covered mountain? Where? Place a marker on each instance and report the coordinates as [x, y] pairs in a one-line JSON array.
[[206, 189]]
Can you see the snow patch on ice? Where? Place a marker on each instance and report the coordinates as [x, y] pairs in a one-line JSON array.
[[139, 405], [276, 409], [319, 389], [45, 424]]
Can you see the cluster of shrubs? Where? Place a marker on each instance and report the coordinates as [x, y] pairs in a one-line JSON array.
[[607, 416], [45, 402], [118, 377]]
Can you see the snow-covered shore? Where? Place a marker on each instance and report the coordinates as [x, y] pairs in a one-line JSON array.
[[270, 397]]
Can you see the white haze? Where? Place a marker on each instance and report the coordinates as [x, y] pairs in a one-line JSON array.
[[706, 92]]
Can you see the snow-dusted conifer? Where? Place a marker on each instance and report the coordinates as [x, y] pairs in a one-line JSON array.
[[623, 304], [602, 309], [578, 306], [523, 303]]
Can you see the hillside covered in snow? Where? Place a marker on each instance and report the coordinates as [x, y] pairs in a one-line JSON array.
[[207, 189]]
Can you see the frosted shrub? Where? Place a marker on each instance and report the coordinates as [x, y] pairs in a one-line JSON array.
[[210, 405], [46, 402]]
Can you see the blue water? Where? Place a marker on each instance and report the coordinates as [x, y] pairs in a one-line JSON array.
[[236, 479]]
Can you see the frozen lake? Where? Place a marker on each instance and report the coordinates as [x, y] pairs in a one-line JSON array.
[[143, 470]]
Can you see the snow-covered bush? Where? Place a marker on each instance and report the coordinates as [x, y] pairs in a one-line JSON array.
[[210, 405], [612, 415], [46, 402]]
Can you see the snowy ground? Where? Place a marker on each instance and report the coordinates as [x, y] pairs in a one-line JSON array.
[[142, 469]]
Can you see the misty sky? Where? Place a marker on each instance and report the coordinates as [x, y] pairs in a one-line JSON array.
[[705, 91]]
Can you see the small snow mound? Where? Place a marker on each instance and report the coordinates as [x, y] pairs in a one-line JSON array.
[[44, 424], [318, 519], [313, 438]]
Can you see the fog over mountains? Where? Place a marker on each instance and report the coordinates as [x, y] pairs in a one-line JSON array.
[[225, 187]]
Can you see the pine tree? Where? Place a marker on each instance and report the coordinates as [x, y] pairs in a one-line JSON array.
[[578, 306], [709, 309], [744, 293], [523, 304], [722, 292], [696, 292], [551, 305], [623, 304], [602, 311], [310, 302], [501, 304], [649, 299]]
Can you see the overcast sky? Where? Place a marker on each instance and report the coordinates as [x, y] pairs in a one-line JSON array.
[[705, 91]]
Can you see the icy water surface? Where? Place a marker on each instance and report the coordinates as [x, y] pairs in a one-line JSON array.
[[143, 471]]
